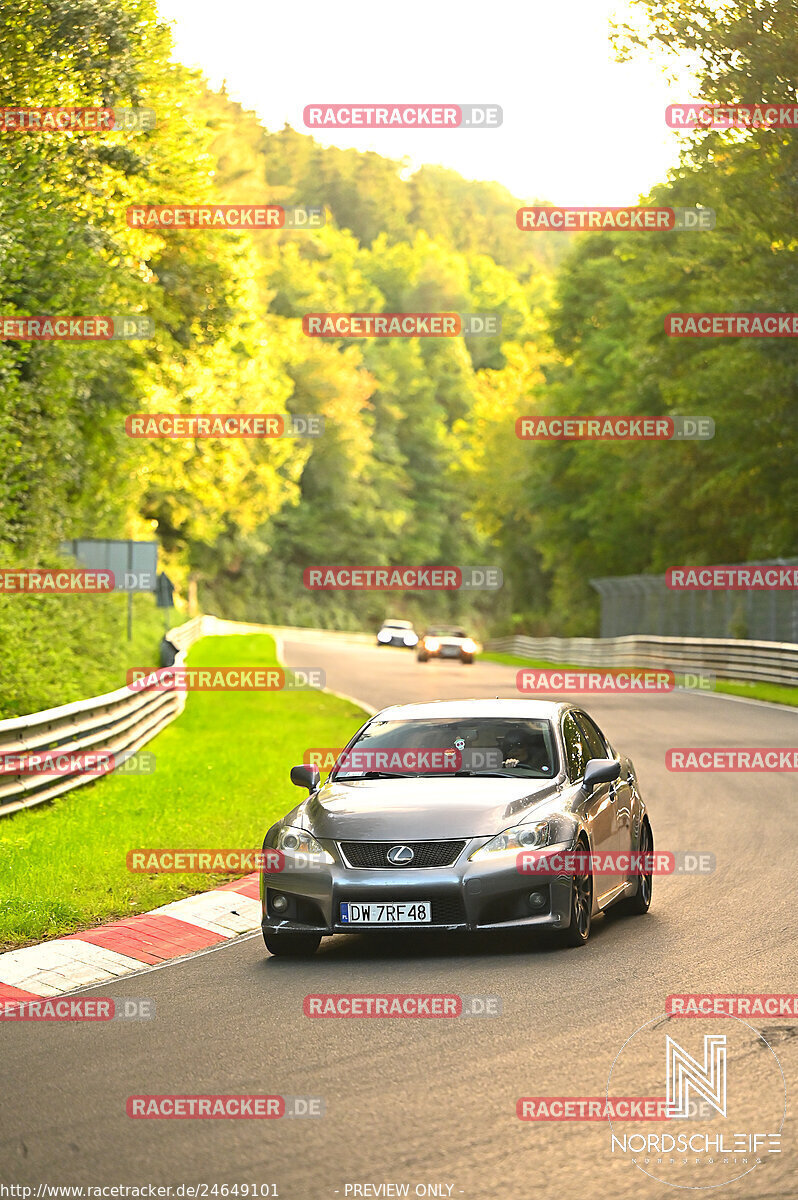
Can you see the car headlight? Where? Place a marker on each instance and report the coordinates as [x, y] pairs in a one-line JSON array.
[[469, 646], [410, 639], [431, 644], [511, 841], [296, 841], [383, 636]]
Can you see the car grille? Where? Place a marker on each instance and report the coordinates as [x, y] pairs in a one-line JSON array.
[[446, 910], [374, 855]]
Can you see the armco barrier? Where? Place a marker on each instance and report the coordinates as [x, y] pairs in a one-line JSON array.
[[727, 658], [118, 722]]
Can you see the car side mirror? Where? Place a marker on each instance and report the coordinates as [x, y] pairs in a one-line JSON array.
[[304, 776], [600, 770]]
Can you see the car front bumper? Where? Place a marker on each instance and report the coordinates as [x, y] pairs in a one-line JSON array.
[[467, 896]]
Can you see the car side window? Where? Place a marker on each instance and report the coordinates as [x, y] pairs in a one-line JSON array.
[[592, 736], [576, 752]]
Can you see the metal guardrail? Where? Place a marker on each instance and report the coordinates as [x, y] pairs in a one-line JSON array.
[[726, 658], [117, 723]]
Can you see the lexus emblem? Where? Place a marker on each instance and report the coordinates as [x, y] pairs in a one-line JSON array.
[[400, 856]]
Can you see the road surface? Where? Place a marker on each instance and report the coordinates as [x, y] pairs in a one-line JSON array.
[[433, 1102]]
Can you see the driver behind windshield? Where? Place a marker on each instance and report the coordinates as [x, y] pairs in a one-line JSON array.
[[519, 751], [480, 748]]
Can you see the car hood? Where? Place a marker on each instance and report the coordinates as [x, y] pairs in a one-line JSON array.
[[421, 809]]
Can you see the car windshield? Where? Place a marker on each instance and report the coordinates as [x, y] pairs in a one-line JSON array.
[[447, 631], [396, 625], [489, 746]]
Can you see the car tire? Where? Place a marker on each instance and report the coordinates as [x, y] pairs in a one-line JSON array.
[[422, 657], [468, 658], [640, 903], [581, 922], [292, 945]]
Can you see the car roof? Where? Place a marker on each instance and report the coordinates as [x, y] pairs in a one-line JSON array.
[[404, 624], [452, 709]]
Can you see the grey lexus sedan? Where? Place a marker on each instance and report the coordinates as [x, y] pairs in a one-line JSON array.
[[460, 815]]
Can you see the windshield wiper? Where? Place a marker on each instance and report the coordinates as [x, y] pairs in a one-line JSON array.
[[375, 775], [467, 774], [487, 774], [433, 775]]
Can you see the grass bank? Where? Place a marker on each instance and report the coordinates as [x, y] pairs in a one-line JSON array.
[[221, 779]]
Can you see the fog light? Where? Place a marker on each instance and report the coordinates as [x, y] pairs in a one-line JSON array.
[[537, 900], [279, 902]]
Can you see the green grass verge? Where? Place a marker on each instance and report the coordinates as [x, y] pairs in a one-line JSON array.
[[221, 779], [774, 693]]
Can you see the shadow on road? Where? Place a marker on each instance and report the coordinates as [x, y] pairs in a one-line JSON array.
[[399, 947]]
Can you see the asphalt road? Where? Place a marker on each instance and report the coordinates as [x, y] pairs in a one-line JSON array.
[[433, 1102]]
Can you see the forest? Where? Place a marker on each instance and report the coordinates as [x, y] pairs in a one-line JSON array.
[[419, 462]]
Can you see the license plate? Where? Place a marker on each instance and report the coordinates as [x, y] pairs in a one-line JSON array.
[[450, 651], [415, 912]]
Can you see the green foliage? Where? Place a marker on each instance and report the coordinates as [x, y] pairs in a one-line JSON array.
[[419, 462], [593, 509], [385, 483]]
